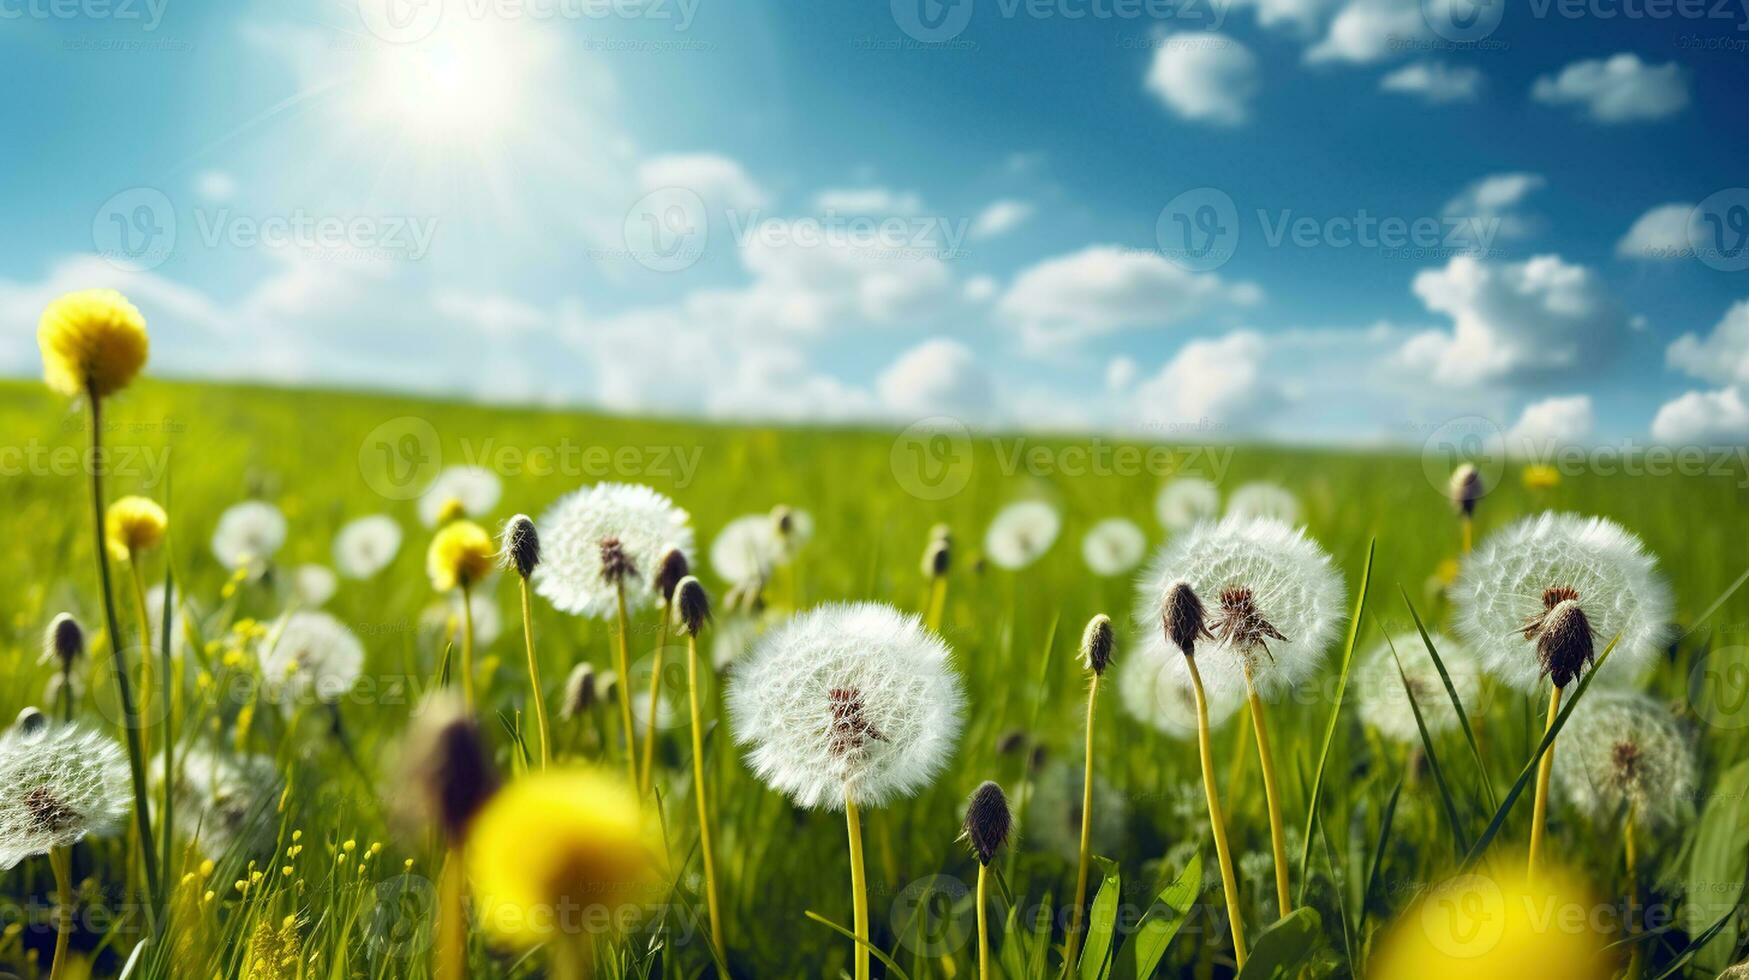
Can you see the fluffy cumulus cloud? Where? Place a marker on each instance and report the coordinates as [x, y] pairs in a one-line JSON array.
[[869, 200], [1510, 320], [1105, 288], [1204, 77], [1620, 89], [1720, 416], [1223, 380], [1721, 357], [1435, 81], [1547, 425], [937, 377], [1368, 31], [1000, 218], [1492, 203], [721, 182], [1659, 234]]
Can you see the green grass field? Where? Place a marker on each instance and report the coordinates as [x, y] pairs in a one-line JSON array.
[[326, 457]]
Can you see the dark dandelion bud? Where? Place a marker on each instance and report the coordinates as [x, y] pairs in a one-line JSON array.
[[580, 691], [1465, 489], [1565, 643], [987, 821], [65, 640], [783, 519], [1184, 618], [453, 766], [692, 606], [30, 721], [669, 572], [1011, 742], [519, 545], [616, 565], [937, 558], [1096, 644]]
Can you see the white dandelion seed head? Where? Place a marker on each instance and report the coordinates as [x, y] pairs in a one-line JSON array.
[[61, 783], [1154, 682], [747, 549], [1053, 815], [474, 490], [1385, 706], [1021, 532], [851, 699], [314, 585], [311, 655], [221, 800], [1501, 586], [801, 529], [645, 523], [1287, 583], [1186, 502], [366, 546], [445, 615], [248, 534], [1114, 546], [1622, 749], [1263, 499]]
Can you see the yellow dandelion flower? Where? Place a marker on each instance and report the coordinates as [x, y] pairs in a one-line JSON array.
[[93, 341], [1447, 572], [561, 839], [1540, 477], [452, 510], [133, 525], [461, 554]]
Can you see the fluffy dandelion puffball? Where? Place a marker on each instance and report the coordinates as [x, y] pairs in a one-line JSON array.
[[1528, 572], [92, 341], [365, 546], [1114, 546], [1622, 750], [1262, 499], [747, 549], [61, 783], [314, 585], [311, 655], [459, 491], [639, 523], [461, 554], [1022, 532], [852, 699], [133, 525], [1385, 705], [248, 534], [1155, 685], [552, 851], [1053, 812], [1274, 600], [226, 801], [1186, 502]]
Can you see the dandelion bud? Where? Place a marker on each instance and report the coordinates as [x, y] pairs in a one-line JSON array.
[[670, 571], [606, 685], [1012, 741], [942, 533], [1184, 617], [616, 563], [1563, 636], [519, 545], [1096, 644], [937, 558], [65, 640], [30, 721], [580, 691], [783, 520], [987, 821], [691, 605], [449, 759], [1465, 489]]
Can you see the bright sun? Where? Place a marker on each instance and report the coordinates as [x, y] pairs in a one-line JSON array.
[[457, 84]]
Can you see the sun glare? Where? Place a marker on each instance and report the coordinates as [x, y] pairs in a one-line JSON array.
[[456, 85]]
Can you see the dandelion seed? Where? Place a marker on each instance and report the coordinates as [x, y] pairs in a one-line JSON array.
[[1621, 752], [1186, 502], [93, 342], [313, 657], [1022, 532], [459, 491], [62, 783], [1113, 546], [1385, 706], [642, 523], [248, 535], [1264, 500], [366, 546], [133, 525]]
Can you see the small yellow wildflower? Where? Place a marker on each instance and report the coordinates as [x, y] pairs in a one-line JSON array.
[[93, 341], [133, 525], [460, 555], [1540, 477]]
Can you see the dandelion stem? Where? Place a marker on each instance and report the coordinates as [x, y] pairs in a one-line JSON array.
[[540, 704], [468, 647], [1086, 837], [698, 791], [1539, 812], [937, 602], [1217, 822], [1630, 854], [984, 922], [858, 887], [146, 679], [624, 684], [1469, 532], [59, 861], [647, 775], [1272, 797], [452, 929], [123, 692]]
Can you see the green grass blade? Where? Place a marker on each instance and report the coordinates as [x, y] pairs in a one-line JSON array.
[[1283, 947], [1101, 920], [1721, 600], [1142, 953], [872, 948], [1445, 797], [1378, 850], [1456, 702]]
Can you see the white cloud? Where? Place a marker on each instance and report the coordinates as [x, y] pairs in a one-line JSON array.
[[775, 383], [1221, 380], [1367, 31], [1121, 372], [1299, 15], [980, 289], [1435, 81], [869, 201], [1204, 77], [937, 377], [489, 313], [721, 182], [1489, 204], [1510, 320], [1722, 356], [1661, 233], [1703, 417], [1105, 288], [215, 186], [1547, 425], [1621, 89], [1000, 218]]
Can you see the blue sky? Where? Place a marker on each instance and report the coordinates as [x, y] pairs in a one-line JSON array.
[[838, 211]]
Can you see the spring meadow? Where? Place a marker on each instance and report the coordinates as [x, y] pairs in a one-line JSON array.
[[1071, 489]]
